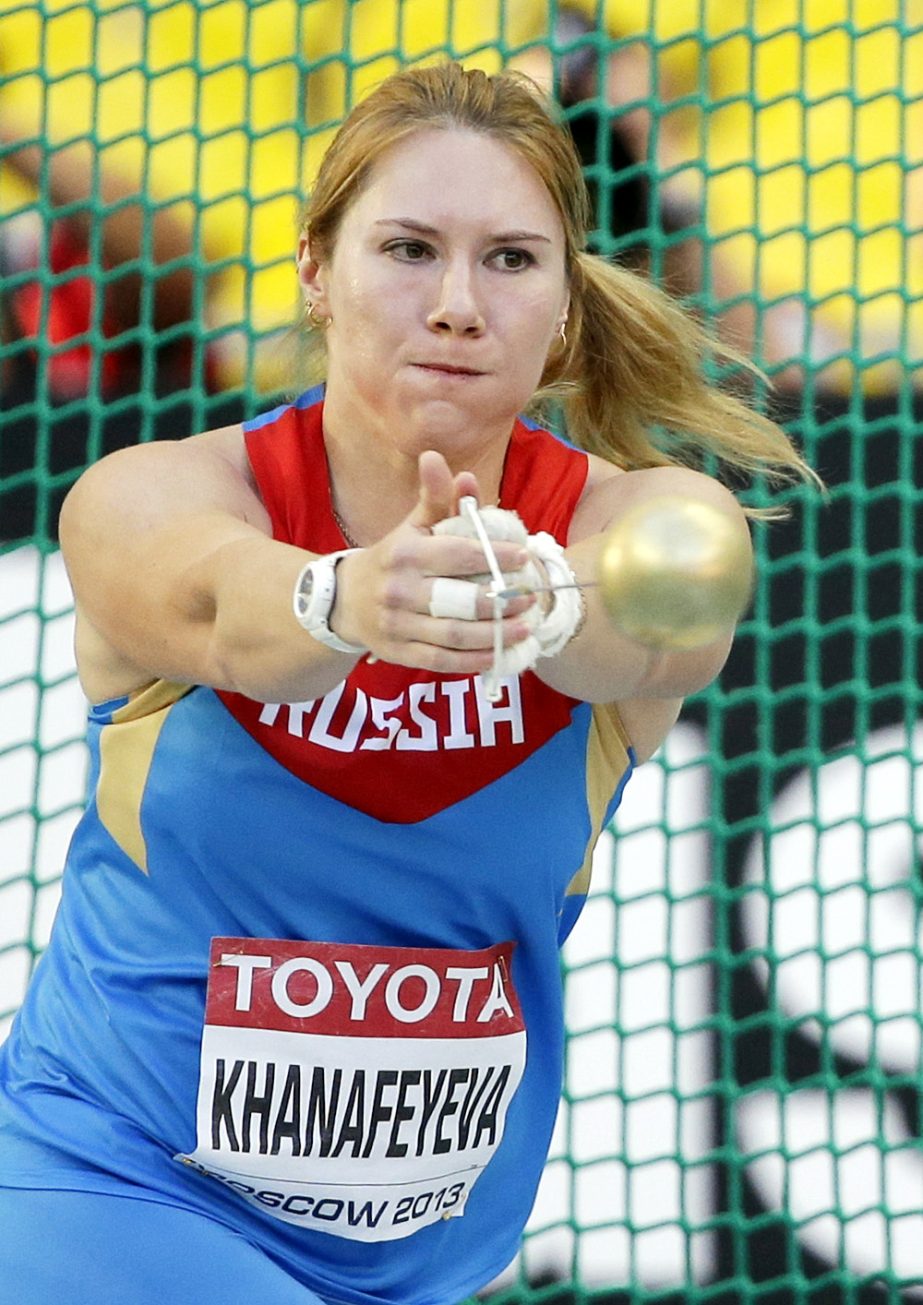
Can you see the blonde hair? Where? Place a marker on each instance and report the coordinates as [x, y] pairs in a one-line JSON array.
[[631, 377]]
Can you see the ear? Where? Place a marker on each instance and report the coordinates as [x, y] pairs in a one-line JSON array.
[[312, 277]]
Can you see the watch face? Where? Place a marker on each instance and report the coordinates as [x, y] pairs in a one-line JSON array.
[[305, 590]]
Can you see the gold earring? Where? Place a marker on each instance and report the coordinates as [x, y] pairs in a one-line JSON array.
[[562, 336], [320, 322]]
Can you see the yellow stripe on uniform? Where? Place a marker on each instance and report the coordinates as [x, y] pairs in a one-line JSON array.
[[126, 749], [607, 761]]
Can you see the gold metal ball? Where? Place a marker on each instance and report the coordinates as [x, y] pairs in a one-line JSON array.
[[675, 574]]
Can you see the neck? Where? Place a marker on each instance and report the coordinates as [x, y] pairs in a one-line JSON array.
[[374, 479], [344, 528]]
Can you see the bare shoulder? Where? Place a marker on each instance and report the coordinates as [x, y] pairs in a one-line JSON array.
[[133, 530], [600, 471], [136, 485], [227, 445], [608, 495]]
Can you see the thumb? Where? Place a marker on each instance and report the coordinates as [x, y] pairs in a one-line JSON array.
[[438, 496]]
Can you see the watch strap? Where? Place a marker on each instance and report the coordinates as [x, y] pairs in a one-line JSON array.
[[313, 599]]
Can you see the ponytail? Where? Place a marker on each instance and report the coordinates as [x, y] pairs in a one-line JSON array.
[[631, 382]]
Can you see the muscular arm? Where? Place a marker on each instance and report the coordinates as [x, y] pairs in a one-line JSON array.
[[176, 576], [603, 665]]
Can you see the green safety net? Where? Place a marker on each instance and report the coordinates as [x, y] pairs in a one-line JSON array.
[[741, 1119]]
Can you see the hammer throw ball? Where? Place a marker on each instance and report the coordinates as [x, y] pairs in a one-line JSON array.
[[675, 574]]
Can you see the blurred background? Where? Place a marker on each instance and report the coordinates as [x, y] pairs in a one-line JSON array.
[[742, 1118]]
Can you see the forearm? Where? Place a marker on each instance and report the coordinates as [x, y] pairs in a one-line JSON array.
[[256, 645], [692, 533], [601, 664], [176, 577], [184, 582]]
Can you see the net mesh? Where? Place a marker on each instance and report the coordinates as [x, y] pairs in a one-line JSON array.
[[741, 1119]]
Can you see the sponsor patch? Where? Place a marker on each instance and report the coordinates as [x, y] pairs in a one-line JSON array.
[[355, 1090]]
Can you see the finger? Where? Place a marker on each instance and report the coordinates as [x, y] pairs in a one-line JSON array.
[[471, 636], [415, 598], [415, 629], [450, 555], [466, 600], [453, 555], [511, 607], [466, 486], [443, 661], [436, 499]]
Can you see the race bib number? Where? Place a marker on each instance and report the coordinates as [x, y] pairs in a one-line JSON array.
[[358, 1091]]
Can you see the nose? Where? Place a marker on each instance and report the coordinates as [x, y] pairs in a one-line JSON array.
[[457, 310]]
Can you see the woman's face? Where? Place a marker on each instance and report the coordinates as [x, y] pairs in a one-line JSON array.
[[445, 291]]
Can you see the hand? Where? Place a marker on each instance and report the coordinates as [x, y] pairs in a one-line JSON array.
[[384, 592]]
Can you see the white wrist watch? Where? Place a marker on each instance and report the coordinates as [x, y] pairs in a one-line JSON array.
[[313, 599]]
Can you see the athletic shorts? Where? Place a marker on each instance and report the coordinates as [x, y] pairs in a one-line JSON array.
[[89, 1248]]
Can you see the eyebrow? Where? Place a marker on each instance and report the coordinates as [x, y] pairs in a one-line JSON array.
[[501, 237]]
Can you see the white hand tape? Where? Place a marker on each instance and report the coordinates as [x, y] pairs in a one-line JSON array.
[[518, 658], [498, 522], [552, 630], [565, 615], [454, 598]]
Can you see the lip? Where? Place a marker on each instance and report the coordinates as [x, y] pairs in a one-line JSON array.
[[448, 369]]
